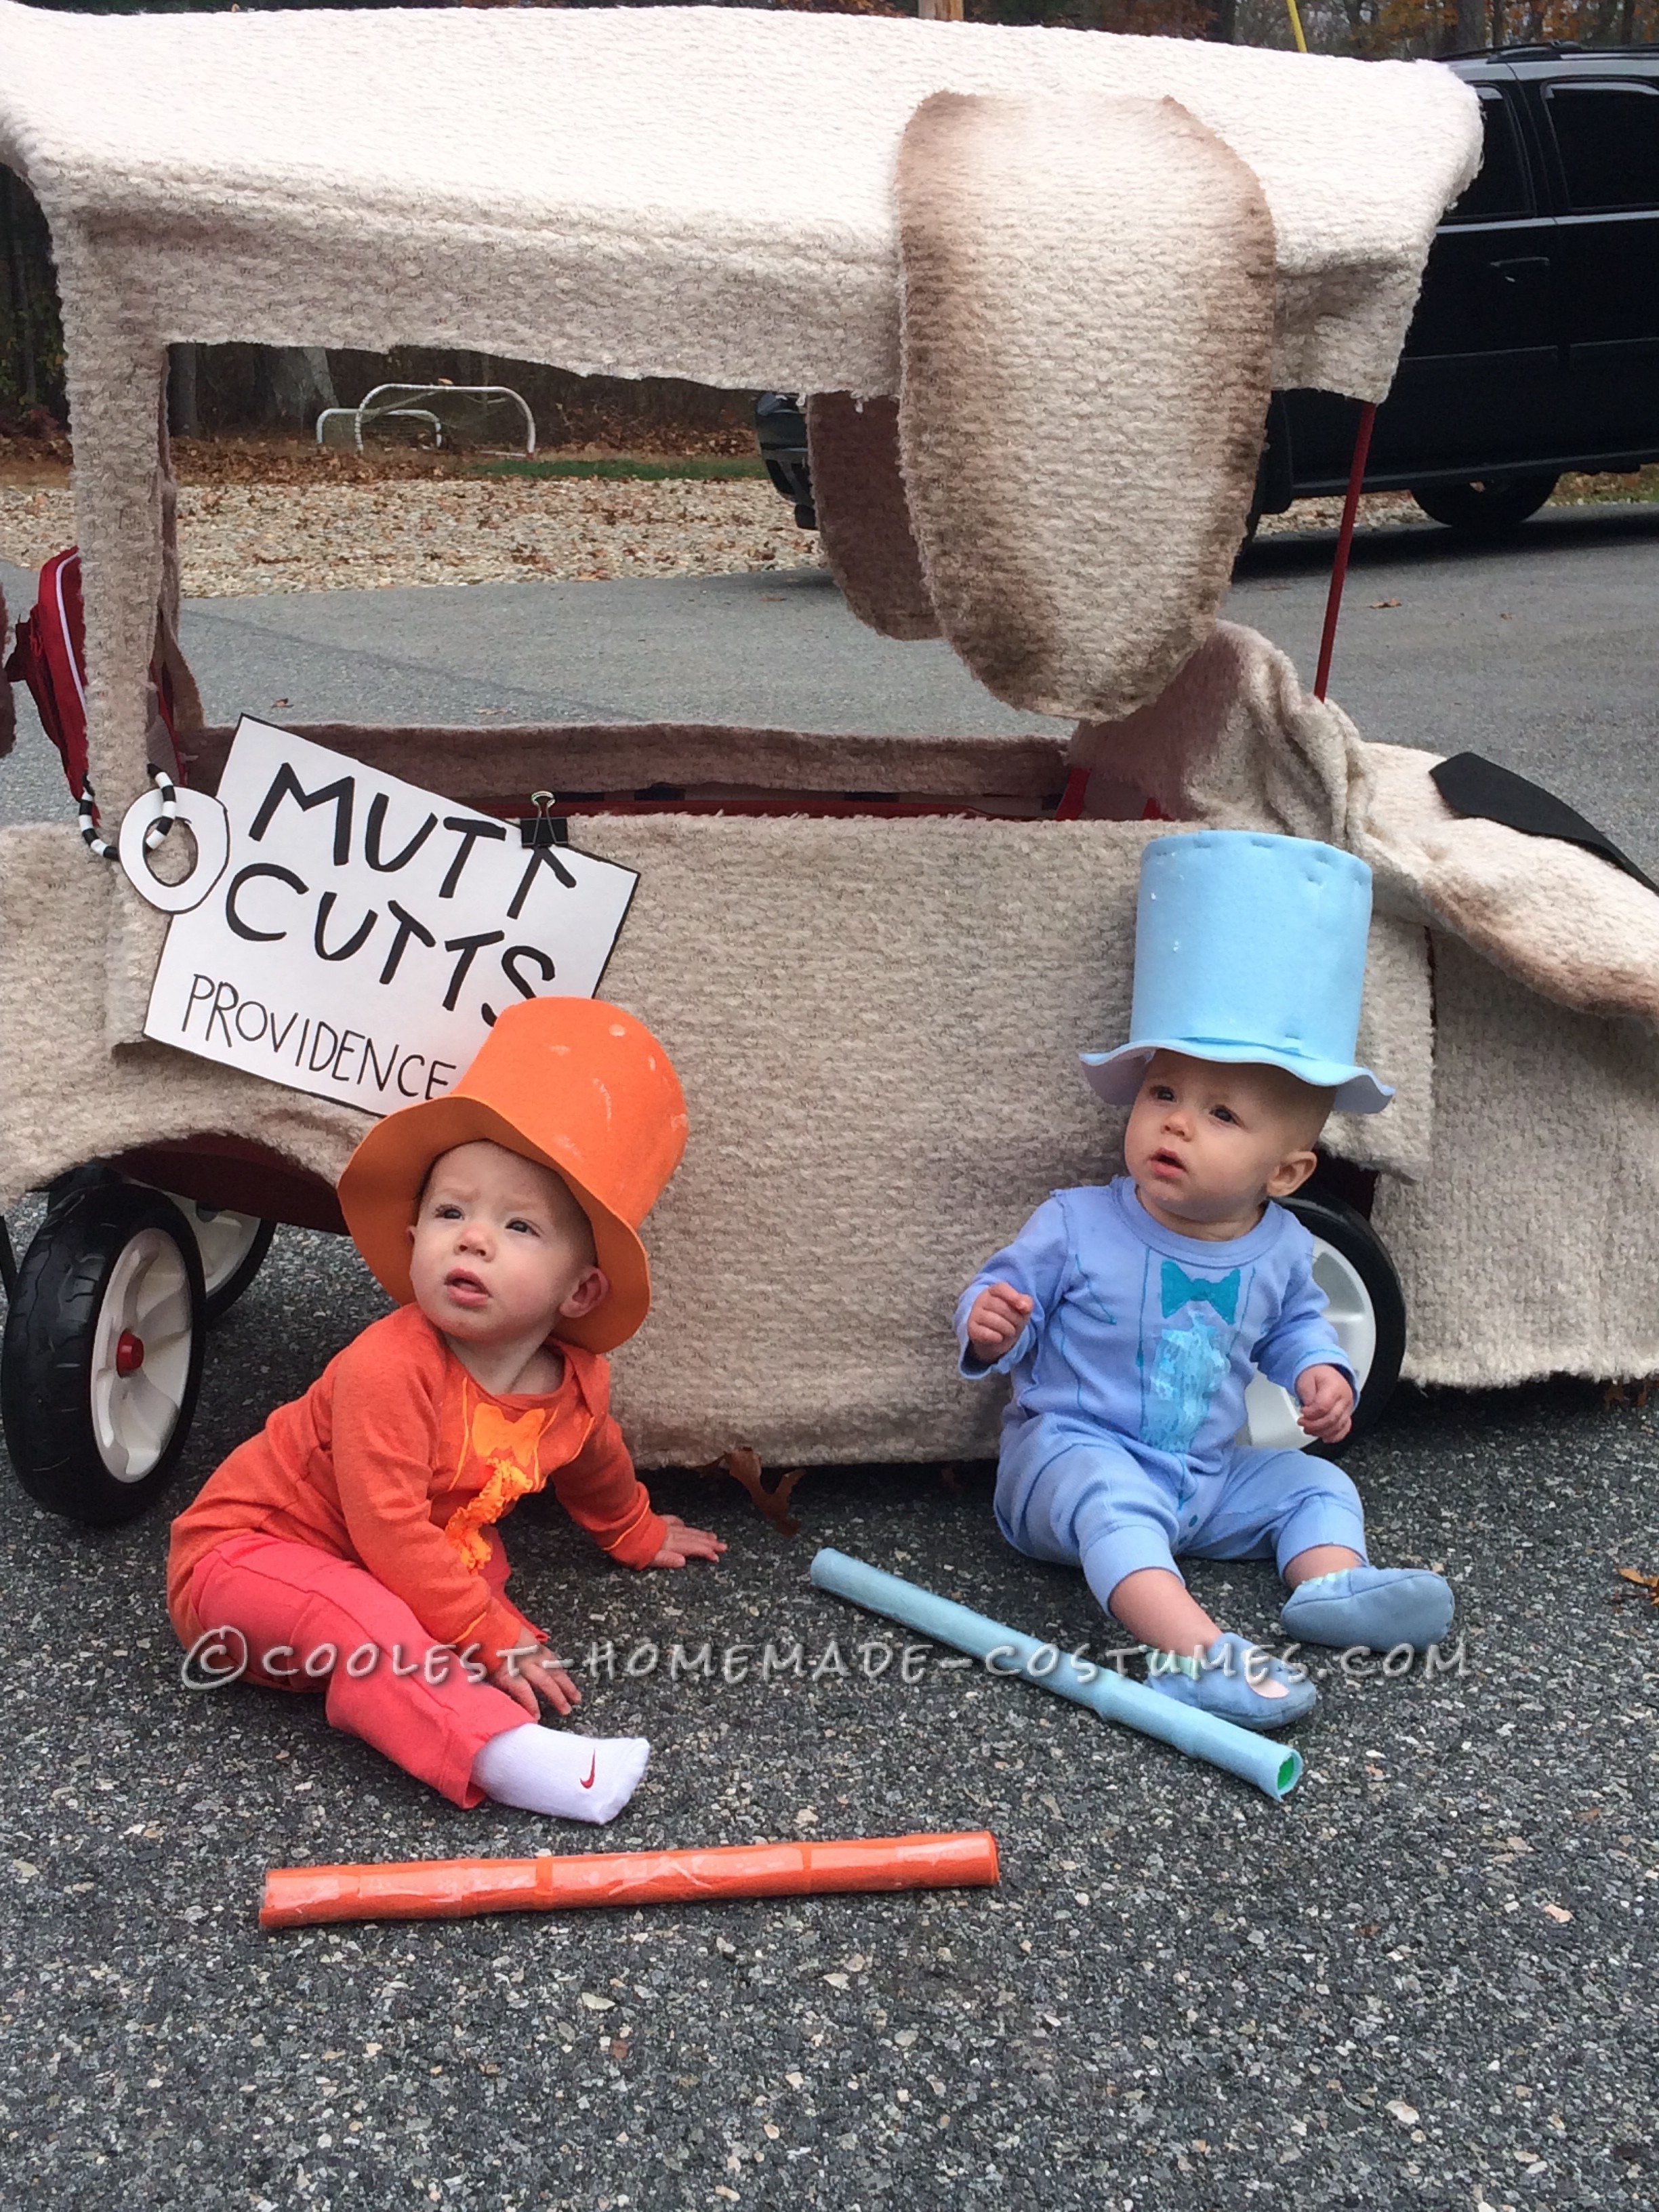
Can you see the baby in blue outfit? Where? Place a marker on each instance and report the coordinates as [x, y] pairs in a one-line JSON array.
[[1131, 1318]]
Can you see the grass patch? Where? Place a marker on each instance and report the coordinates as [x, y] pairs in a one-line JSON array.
[[620, 468]]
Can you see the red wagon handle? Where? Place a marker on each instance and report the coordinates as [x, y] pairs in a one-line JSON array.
[[1362, 446]]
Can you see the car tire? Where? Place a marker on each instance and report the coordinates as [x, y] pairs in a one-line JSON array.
[[1366, 1308], [1487, 507], [101, 1360]]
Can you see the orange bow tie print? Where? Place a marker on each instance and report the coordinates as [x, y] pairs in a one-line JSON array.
[[507, 1439], [510, 1445]]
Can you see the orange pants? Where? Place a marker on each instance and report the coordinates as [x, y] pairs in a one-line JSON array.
[[309, 1621]]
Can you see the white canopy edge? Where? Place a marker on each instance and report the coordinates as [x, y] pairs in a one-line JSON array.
[[704, 193]]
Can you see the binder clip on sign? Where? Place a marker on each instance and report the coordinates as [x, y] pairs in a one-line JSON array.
[[350, 935]]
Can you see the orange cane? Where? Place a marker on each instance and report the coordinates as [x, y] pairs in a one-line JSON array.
[[450, 1889]]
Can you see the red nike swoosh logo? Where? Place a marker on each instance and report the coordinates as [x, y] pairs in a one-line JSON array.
[[587, 1781]]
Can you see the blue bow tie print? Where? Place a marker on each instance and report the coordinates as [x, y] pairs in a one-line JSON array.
[[1181, 1289]]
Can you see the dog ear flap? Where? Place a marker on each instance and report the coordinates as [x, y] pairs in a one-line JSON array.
[[1087, 340], [864, 522]]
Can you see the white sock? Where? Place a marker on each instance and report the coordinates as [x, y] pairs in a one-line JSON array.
[[544, 1769]]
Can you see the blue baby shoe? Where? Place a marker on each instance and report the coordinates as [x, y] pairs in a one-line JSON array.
[[1373, 1608], [1225, 1686]]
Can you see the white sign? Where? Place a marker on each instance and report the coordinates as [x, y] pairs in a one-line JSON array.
[[362, 934]]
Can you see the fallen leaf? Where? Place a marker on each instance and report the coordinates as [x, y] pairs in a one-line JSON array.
[[1406, 2114], [1385, 603], [772, 1498], [1558, 1912]]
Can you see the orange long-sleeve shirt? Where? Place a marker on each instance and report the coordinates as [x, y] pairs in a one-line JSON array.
[[396, 1460]]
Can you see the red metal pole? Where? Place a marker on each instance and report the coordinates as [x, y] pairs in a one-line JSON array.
[[1362, 445], [1072, 798]]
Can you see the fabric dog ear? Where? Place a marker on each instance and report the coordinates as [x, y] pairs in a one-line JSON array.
[[1087, 345], [1472, 784], [864, 524]]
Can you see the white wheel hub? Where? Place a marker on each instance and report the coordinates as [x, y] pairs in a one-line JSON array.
[[141, 1355], [1270, 1412], [224, 1240]]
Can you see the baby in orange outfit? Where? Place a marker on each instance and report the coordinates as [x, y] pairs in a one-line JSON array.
[[351, 1547]]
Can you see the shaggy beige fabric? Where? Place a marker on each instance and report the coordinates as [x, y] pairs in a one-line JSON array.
[[619, 190], [1236, 742], [501, 767], [67, 1098], [864, 522], [1571, 927], [1530, 1247], [878, 1095], [169, 655], [1087, 347], [636, 192], [496, 767]]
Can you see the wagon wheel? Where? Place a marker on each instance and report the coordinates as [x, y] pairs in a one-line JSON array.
[[232, 1247], [1366, 1308], [102, 1355]]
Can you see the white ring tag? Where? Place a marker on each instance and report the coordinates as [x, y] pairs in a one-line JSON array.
[[210, 827]]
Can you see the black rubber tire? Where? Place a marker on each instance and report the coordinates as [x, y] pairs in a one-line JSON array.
[[46, 1377], [1487, 507], [1348, 1232]]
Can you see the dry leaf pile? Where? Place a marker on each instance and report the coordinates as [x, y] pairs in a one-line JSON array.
[[239, 539]]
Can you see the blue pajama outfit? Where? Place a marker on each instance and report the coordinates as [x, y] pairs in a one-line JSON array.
[[1128, 1390]]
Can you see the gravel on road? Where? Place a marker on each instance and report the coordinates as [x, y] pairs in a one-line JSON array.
[[236, 540]]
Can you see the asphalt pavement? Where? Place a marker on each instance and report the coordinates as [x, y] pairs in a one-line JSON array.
[[1424, 1979]]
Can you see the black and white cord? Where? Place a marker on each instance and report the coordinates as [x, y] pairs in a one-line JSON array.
[[87, 812]]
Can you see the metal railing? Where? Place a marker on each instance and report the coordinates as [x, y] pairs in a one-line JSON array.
[[407, 402]]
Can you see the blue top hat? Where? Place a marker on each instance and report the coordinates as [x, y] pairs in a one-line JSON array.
[[1249, 947]]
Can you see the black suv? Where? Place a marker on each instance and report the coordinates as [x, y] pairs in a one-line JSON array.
[[1535, 347]]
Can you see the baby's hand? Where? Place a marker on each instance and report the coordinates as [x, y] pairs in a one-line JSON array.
[[529, 1676], [995, 1320], [680, 1544], [1327, 1398]]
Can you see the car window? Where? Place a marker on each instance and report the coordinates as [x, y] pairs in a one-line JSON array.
[[1501, 187], [1607, 135]]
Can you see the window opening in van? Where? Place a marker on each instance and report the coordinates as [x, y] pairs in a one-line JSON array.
[[1607, 135], [1501, 186]]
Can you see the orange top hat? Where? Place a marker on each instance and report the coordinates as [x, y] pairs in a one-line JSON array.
[[576, 1084]]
